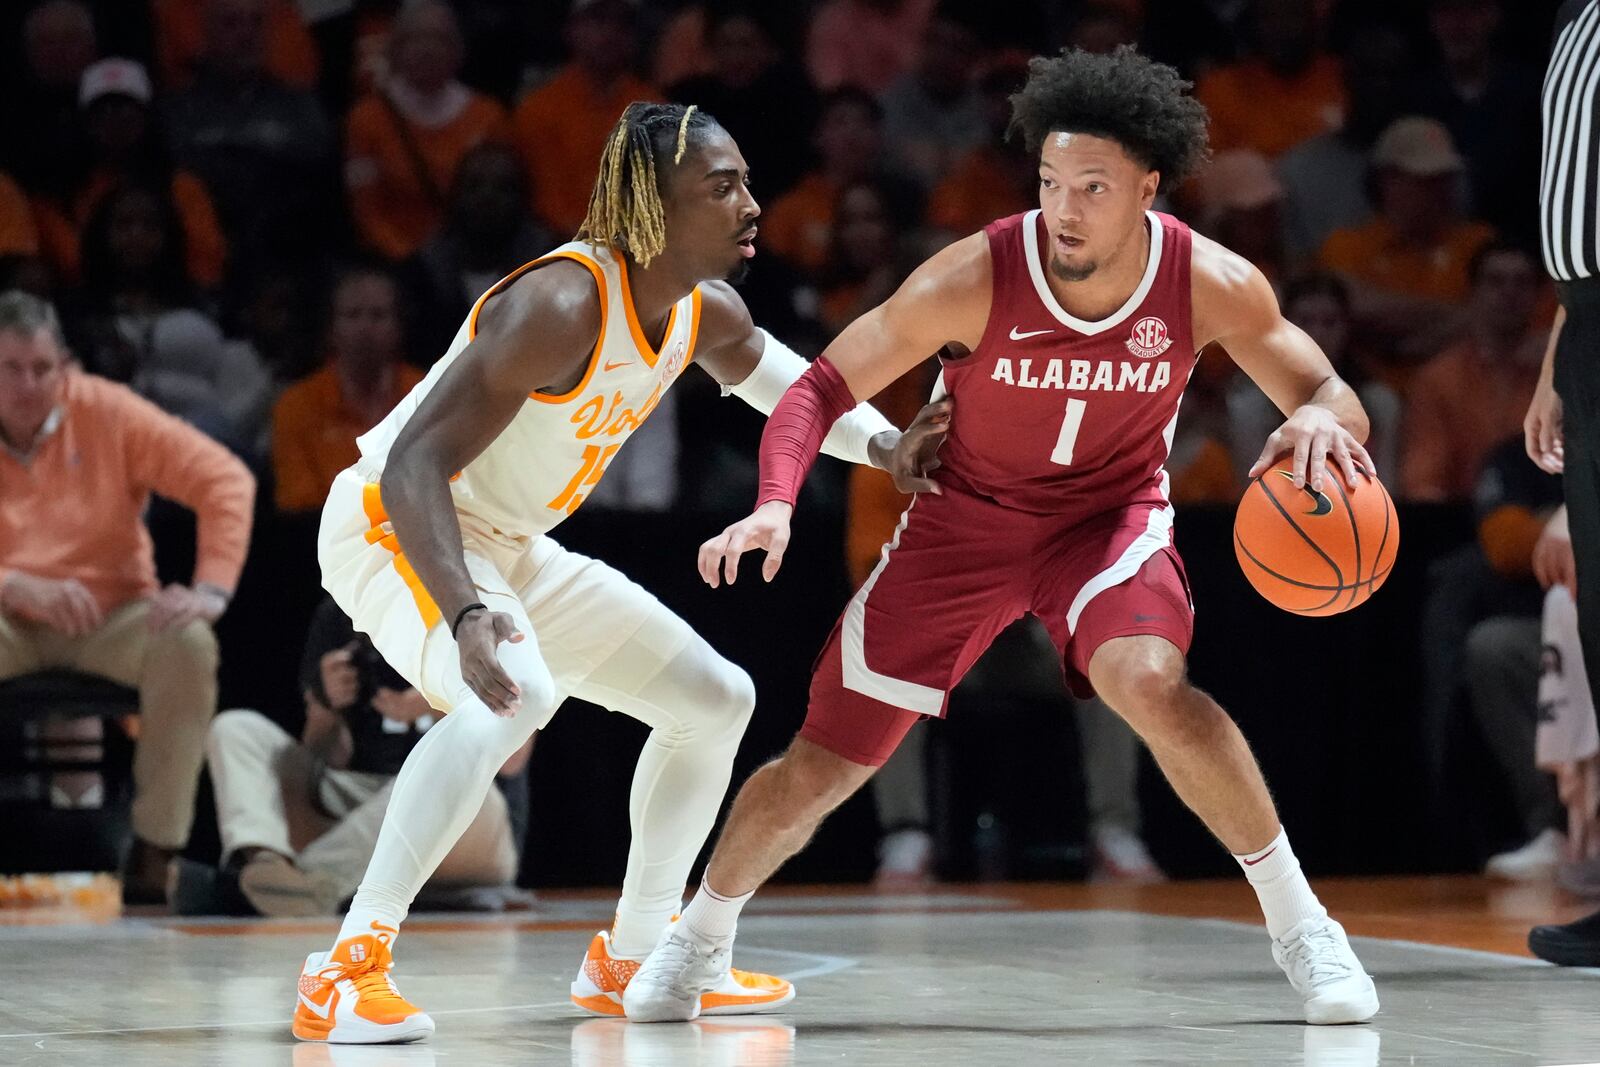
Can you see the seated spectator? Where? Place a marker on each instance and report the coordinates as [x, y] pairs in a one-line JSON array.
[[996, 179], [864, 266], [1475, 393], [849, 143], [1324, 178], [404, 141], [1514, 502], [1320, 305], [1284, 91], [316, 421], [1240, 204], [290, 54], [263, 148], [865, 44], [299, 819], [934, 114], [747, 85], [1484, 94], [38, 124], [78, 585], [121, 145], [487, 234], [140, 323], [1408, 266], [561, 127], [19, 234]]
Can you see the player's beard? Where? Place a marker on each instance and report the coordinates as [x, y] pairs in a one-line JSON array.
[[738, 273], [1072, 274]]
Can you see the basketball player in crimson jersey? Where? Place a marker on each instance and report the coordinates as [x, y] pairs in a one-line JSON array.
[[1066, 335]]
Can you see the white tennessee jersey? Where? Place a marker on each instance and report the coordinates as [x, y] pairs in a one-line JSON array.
[[556, 449]]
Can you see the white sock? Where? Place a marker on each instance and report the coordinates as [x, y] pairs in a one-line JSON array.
[[711, 918], [1285, 895]]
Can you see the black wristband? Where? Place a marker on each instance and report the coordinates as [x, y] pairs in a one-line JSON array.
[[463, 614]]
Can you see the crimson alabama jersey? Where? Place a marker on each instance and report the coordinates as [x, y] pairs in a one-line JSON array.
[[1057, 414]]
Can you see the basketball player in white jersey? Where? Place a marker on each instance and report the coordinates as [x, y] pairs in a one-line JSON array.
[[435, 544]]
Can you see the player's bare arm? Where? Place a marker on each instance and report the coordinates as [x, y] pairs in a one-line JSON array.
[[535, 336], [1234, 306], [732, 348], [943, 305]]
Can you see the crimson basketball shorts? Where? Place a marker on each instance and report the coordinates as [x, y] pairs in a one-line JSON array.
[[959, 570]]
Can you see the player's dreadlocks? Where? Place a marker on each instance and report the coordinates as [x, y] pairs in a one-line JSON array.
[[625, 208], [1125, 97]]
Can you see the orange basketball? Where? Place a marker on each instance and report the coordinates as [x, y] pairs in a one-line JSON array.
[[1316, 553]]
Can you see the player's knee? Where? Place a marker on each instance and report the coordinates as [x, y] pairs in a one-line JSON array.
[[815, 781], [535, 688], [193, 645], [730, 699], [1149, 693]]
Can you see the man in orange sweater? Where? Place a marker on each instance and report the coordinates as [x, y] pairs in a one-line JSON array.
[[79, 457]]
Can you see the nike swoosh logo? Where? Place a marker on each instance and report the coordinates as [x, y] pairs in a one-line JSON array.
[[1323, 504], [1258, 859], [1015, 336], [1148, 618], [624, 363], [319, 1012]]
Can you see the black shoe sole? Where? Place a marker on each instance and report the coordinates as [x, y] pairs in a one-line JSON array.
[[1563, 951]]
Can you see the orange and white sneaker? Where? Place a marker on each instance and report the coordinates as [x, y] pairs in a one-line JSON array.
[[603, 978], [347, 996]]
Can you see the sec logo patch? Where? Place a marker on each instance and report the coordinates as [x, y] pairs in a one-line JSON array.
[[1148, 338]]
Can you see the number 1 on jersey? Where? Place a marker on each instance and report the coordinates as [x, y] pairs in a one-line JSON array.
[[1069, 433]]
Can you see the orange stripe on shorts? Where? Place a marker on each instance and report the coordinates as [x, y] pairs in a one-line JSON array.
[[372, 504]]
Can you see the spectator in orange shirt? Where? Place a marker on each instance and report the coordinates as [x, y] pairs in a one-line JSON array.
[[316, 421], [291, 54], [995, 180], [19, 236], [79, 458], [1408, 267], [561, 127], [404, 141], [1474, 394], [115, 98], [1287, 91], [849, 142], [864, 266]]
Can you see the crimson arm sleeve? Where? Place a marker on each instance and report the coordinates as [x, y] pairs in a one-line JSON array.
[[796, 429]]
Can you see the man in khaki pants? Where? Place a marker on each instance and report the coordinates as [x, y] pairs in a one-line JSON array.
[[299, 820], [79, 458]]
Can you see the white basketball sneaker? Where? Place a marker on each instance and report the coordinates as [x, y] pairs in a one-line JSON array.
[[1323, 969], [673, 983], [604, 978]]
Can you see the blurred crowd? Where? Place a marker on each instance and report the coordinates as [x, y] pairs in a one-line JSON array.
[[266, 218]]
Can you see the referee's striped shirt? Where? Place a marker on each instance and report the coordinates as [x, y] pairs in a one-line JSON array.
[[1569, 193]]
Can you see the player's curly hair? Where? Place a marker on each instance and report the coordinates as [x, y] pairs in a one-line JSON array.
[[1125, 97], [625, 209]]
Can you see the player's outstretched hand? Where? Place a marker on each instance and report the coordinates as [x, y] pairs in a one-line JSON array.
[[766, 528], [915, 455], [1314, 436], [477, 638]]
